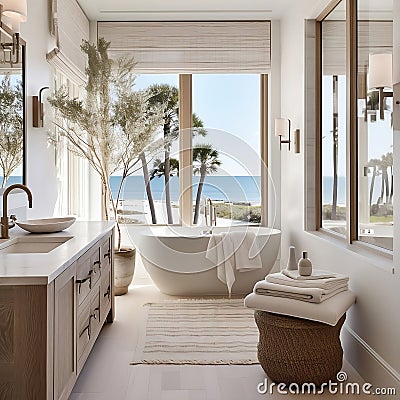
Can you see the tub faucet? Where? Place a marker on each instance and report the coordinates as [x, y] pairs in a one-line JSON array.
[[211, 216], [5, 222]]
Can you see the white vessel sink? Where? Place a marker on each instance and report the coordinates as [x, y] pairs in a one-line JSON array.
[[46, 225], [32, 244]]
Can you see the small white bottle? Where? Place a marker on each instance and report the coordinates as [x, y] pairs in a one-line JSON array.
[[292, 264], [305, 265]]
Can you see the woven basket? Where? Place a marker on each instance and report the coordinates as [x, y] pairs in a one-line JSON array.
[[295, 350]]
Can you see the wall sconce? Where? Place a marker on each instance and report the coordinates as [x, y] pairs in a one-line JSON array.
[[16, 11], [37, 109], [282, 127], [380, 77]]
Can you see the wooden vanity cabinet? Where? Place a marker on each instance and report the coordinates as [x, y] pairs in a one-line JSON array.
[[84, 312], [48, 331]]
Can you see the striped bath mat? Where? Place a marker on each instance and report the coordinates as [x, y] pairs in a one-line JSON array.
[[202, 332]]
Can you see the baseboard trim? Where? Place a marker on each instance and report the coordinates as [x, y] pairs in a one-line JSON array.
[[385, 368]]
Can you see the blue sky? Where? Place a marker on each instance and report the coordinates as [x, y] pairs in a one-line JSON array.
[[228, 104]]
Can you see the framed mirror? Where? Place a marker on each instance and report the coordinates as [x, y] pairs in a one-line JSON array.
[[12, 112]]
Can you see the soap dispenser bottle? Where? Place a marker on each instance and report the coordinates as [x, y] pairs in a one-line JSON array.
[[292, 264], [305, 265]]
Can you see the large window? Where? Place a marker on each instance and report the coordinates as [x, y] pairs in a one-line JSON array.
[[356, 124], [226, 158]]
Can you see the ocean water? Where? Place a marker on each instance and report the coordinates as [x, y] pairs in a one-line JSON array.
[[226, 188], [327, 189]]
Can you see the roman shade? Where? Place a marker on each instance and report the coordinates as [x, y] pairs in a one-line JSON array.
[[373, 37], [192, 47], [70, 26]]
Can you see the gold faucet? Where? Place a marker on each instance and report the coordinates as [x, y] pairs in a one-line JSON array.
[[4, 218]]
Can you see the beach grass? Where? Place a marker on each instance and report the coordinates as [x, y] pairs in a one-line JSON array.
[[239, 212]]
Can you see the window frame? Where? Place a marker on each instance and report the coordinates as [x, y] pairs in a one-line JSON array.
[[351, 125]]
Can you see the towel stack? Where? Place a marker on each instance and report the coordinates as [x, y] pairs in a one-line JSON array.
[[320, 286], [322, 297]]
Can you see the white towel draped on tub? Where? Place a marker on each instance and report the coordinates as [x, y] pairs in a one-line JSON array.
[[247, 251], [233, 250], [311, 295]]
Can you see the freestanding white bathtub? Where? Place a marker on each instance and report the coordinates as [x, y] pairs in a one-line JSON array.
[[175, 258]]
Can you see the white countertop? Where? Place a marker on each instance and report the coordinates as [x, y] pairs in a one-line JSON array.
[[43, 268]]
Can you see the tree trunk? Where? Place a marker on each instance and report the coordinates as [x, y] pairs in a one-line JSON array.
[[335, 147], [198, 196], [391, 186], [148, 188], [371, 189], [104, 198], [380, 200], [121, 184], [167, 187], [167, 132], [387, 189]]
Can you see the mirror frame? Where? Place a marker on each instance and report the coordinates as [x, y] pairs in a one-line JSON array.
[[22, 44]]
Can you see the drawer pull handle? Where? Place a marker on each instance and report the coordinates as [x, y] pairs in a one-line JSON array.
[[97, 309], [107, 294], [81, 281], [108, 255], [88, 329], [97, 263]]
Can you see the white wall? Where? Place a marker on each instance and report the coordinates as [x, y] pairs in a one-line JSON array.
[[371, 340], [41, 171]]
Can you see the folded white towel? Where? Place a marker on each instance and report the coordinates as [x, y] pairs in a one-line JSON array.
[[246, 249], [328, 283], [220, 251], [328, 312], [316, 274], [311, 295]]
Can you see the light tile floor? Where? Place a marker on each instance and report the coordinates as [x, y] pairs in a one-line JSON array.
[[107, 374]]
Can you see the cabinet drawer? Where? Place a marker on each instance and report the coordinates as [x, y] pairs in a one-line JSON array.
[[88, 273]]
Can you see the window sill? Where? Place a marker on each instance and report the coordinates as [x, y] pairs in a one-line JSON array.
[[378, 257]]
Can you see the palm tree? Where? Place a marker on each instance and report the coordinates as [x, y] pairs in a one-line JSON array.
[[373, 163], [167, 96], [385, 189], [159, 168], [138, 122], [205, 161]]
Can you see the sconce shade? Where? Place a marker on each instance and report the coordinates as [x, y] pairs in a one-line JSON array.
[[281, 127], [16, 10], [380, 71]]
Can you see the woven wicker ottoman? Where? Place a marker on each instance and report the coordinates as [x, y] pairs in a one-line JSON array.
[[296, 350]]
